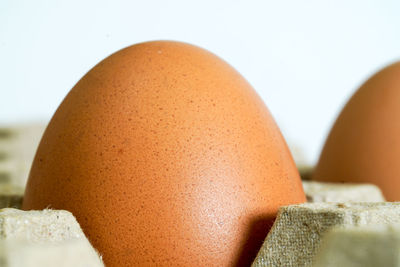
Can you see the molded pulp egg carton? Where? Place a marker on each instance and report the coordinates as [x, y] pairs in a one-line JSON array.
[[341, 225]]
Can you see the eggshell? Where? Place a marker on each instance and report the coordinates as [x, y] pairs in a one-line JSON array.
[[364, 143], [167, 157]]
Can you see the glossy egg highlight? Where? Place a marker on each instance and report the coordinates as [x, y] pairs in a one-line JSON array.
[[167, 157], [364, 143]]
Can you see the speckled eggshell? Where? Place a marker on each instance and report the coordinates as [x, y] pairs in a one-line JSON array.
[[364, 143], [167, 157]]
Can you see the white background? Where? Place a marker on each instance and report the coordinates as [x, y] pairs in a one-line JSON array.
[[305, 58]]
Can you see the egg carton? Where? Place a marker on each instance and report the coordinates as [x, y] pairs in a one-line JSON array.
[[334, 192], [363, 246], [45, 238], [297, 233], [293, 240], [18, 144], [23, 253], [54, 237]]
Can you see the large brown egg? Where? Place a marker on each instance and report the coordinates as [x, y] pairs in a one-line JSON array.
[[364, 143], [167, 157]]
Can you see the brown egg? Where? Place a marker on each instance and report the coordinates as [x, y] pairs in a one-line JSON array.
[[167, 157], [364, 143]]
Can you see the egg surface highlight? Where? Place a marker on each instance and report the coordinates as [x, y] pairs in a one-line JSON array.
[[167, 157], [364, 143]]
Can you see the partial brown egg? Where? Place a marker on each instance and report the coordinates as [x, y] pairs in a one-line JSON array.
[[364, 143], [167, 157]]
